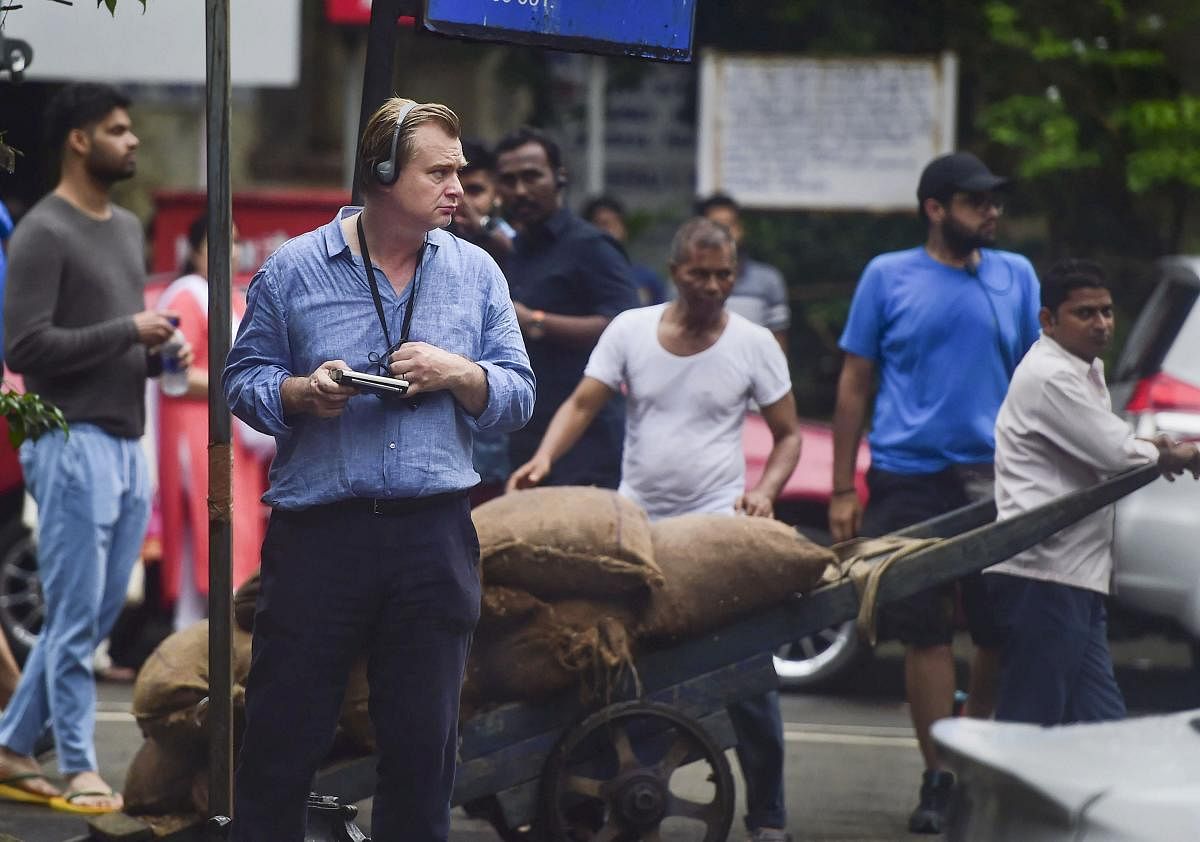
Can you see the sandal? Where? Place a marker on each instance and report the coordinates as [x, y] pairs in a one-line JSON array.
[[66, 803], [11, 790]]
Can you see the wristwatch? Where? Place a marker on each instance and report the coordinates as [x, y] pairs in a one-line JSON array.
[[536, 328]]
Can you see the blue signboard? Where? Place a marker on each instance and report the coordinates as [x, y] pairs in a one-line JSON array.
[[659, 29]]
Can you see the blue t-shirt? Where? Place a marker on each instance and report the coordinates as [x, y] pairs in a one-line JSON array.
[[945, 343]]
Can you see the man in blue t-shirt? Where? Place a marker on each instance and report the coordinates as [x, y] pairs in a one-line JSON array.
[[934, 335]]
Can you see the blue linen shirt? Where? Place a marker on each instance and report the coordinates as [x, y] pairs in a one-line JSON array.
[[309, 303], [945, 343]]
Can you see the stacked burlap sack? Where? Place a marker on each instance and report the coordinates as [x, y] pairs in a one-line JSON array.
[[169, 773], [575, 582]]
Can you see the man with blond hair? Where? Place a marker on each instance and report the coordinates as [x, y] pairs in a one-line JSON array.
[[370, 547]]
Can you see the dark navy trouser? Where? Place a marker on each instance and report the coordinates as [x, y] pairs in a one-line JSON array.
[[1055, 666], [405, 590], [758, 724]]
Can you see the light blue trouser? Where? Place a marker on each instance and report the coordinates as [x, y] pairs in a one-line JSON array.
[[93, 497]]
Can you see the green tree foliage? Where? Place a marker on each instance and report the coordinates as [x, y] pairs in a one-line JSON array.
[[29, 416], [1093, 98]]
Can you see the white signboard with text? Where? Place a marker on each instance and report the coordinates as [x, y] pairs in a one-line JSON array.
[[782, 131], [162, 45]]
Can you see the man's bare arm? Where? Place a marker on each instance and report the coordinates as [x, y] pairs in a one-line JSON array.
[[856, 388]]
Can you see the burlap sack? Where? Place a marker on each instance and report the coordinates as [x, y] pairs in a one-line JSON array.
[[720, 568], [355, 717], [574, 643], [174, 680], [245, 600], [566, 541], [159, 780], [502, 610]]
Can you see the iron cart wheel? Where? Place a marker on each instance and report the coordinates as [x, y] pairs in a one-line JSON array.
[[637, 772]]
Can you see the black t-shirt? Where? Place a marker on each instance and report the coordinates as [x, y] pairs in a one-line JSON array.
[[570, 268]]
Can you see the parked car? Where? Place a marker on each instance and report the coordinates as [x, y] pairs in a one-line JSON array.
[[1156, 385], [1156, 382]]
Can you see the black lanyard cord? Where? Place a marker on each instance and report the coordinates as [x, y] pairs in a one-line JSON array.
[[408, 307]]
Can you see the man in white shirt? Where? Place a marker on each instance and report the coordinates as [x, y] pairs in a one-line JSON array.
[[691, 369], [1055, 434]]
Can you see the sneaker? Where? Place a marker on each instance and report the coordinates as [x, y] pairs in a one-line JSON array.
[[769, 834], [930, 815]]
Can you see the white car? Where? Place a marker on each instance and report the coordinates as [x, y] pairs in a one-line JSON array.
[[1156, 383]]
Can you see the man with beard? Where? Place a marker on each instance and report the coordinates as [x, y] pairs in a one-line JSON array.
[[76, 328], [568, 281], [941, 327]]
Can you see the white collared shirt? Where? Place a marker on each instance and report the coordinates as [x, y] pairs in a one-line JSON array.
[[1056, 433]]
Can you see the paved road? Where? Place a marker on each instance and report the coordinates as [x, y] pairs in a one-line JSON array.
[[852, 762]]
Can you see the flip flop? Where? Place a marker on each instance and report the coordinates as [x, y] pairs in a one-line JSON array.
[[11, 791], [66, 803]]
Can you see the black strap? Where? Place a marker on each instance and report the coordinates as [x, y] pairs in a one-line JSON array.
[[408, 308]]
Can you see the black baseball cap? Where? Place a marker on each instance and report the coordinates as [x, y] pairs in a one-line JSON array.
[[958, 171]]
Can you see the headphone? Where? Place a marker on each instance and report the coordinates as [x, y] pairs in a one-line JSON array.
[[385, 171]]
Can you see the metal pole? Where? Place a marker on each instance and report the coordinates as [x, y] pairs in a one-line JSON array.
[[596, 118], [220, 461], [379, 69]]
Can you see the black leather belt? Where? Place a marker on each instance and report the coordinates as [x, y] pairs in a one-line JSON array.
[[382, 506]]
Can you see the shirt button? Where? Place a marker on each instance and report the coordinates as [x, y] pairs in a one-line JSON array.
[[392, 446]]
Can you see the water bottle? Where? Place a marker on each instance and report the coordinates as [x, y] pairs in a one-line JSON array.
[[174, 380]]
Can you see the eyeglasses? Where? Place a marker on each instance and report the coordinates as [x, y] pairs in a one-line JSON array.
[[983, 201]]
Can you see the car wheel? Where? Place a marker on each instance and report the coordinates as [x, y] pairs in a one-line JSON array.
[[22, 608], [820, 660]]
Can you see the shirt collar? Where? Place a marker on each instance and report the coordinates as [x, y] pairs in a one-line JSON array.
[[335, 239], [551, 229], [1079, 366]]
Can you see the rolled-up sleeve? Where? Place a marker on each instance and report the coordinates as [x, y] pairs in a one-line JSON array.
[[505, 361], [260, 359]]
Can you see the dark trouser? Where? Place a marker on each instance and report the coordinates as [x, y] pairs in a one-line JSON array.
[[336, 584], [759, 728], [899, 500], [1055, 667]]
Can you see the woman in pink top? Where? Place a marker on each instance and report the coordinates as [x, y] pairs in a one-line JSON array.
[[183, 454]]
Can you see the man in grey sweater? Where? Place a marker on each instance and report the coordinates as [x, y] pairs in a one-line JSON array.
[[76, 327]]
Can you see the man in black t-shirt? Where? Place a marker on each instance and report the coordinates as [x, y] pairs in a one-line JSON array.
[[568, 280]]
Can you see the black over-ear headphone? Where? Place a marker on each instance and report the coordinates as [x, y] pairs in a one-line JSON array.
[[385, 171]]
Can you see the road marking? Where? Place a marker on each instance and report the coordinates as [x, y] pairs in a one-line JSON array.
[[114, 716], [855, 735]]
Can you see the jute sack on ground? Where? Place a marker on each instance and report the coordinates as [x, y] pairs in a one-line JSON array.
[[572, 643], [355, 716], [720, 568], [159, 779], [566, 541], [174, 680], [245, 600]]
